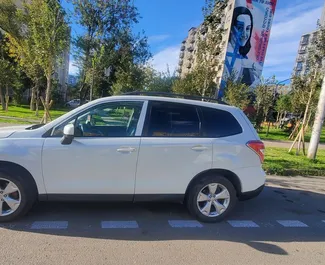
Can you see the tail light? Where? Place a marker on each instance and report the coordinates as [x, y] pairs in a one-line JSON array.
[[258, 147]]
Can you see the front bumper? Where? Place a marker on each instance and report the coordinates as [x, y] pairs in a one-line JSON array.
[[250, 194]]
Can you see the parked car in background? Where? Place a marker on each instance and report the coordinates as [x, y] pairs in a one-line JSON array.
[[74, 103], [134, 148]]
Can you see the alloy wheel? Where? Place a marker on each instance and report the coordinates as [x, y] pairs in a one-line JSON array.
[[213, 200], [10, 197]]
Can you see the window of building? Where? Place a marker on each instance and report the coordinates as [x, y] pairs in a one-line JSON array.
[[219, 123], [173, 120], [299, 66], [305, 39]]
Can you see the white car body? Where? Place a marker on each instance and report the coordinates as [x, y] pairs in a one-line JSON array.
[[132, 167]]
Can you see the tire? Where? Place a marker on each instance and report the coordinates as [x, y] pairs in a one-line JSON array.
[[27, 195], [202, 185]]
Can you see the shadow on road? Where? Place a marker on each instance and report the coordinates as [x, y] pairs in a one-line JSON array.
[[272, 205]]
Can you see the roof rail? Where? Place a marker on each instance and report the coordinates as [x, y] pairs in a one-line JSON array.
[[172, 95]]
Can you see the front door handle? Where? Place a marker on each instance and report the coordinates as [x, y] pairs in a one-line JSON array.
[[199, 148], [125, 149]]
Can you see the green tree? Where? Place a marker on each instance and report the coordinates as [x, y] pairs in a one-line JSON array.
[[283, 105], [49, 32], [237, 94], [108, 45], [160, 81], [264, 100]]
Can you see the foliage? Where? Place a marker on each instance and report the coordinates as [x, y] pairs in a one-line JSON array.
[[278, 161], [49, 32], [160, 81], [237, 94], [107, 42], [301, 88], [283, 104], [264, 100]]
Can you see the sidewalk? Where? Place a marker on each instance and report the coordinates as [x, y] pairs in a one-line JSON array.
[[314, 184], [286, 144]]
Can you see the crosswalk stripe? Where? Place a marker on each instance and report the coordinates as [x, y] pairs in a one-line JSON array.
[[119, 224], [185, 224], [49, 225], [243, 224], [291, 223]]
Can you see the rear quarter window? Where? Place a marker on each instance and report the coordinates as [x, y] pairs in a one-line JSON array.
[[219, 123]]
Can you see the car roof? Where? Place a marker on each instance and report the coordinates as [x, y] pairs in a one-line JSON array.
[[169, 99]]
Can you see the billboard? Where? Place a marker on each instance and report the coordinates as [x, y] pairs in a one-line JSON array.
[[248, 40]]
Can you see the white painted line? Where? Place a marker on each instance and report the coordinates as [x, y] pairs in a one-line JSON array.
[[243, 224], [291, 223], [323, 221], [185, 224], [119, 224], [50, 225]]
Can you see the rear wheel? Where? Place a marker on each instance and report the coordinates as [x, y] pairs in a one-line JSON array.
[[16, 197], [211, 199]]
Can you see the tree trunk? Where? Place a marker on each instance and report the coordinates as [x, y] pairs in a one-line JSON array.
[[47, 95], [37, 101], [7, 97], [32, 98], [2, 99], [318, 123]]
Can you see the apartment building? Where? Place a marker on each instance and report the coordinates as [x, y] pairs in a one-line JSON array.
[[302, 66]]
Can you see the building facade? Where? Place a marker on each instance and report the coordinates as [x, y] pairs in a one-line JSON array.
[[302, 66], [189, 46]]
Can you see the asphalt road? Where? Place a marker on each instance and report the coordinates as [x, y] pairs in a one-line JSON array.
[[285, 225]]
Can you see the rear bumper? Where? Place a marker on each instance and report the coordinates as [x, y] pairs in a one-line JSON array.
[[250, 194]]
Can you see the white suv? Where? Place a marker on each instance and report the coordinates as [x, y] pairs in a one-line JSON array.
[[134, 148]]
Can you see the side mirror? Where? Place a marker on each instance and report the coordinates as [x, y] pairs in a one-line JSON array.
[[68, 134]]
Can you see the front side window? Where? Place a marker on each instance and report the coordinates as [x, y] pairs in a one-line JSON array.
[[219, 123], [115, 119], [173, 120]]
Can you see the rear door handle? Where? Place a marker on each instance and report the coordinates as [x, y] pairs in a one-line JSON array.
[[199, 148], [125, 149]]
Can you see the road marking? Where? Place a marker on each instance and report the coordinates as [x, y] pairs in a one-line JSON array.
[[323, 221], [185, 224], [119, 224], [50, 225], [243, 224], [291, 223]]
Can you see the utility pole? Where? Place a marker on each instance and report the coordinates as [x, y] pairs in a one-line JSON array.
[[318, 124]]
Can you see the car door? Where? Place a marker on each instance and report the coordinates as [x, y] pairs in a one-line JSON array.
[[172, 150], [102, 156]]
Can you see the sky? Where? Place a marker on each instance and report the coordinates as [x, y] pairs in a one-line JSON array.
[[166, 23]]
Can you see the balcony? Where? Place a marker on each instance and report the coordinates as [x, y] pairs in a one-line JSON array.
[[181, 55], [188, 65], [180, 62], [192, 40], [190, 57], [303, 49], [190, 49], [183, 48], [301, 58]]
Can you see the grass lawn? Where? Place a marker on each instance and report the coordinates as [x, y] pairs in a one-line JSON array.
[[279, 162], [24, 112], [280, 135]]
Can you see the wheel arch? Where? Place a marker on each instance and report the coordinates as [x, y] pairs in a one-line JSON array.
[[231, 176], [24, 175]]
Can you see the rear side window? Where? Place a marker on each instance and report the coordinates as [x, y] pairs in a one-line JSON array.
[[219, 123], [173, 120]]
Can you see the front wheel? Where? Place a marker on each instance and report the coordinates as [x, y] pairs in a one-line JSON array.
[[211, 199], [16, 198]]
